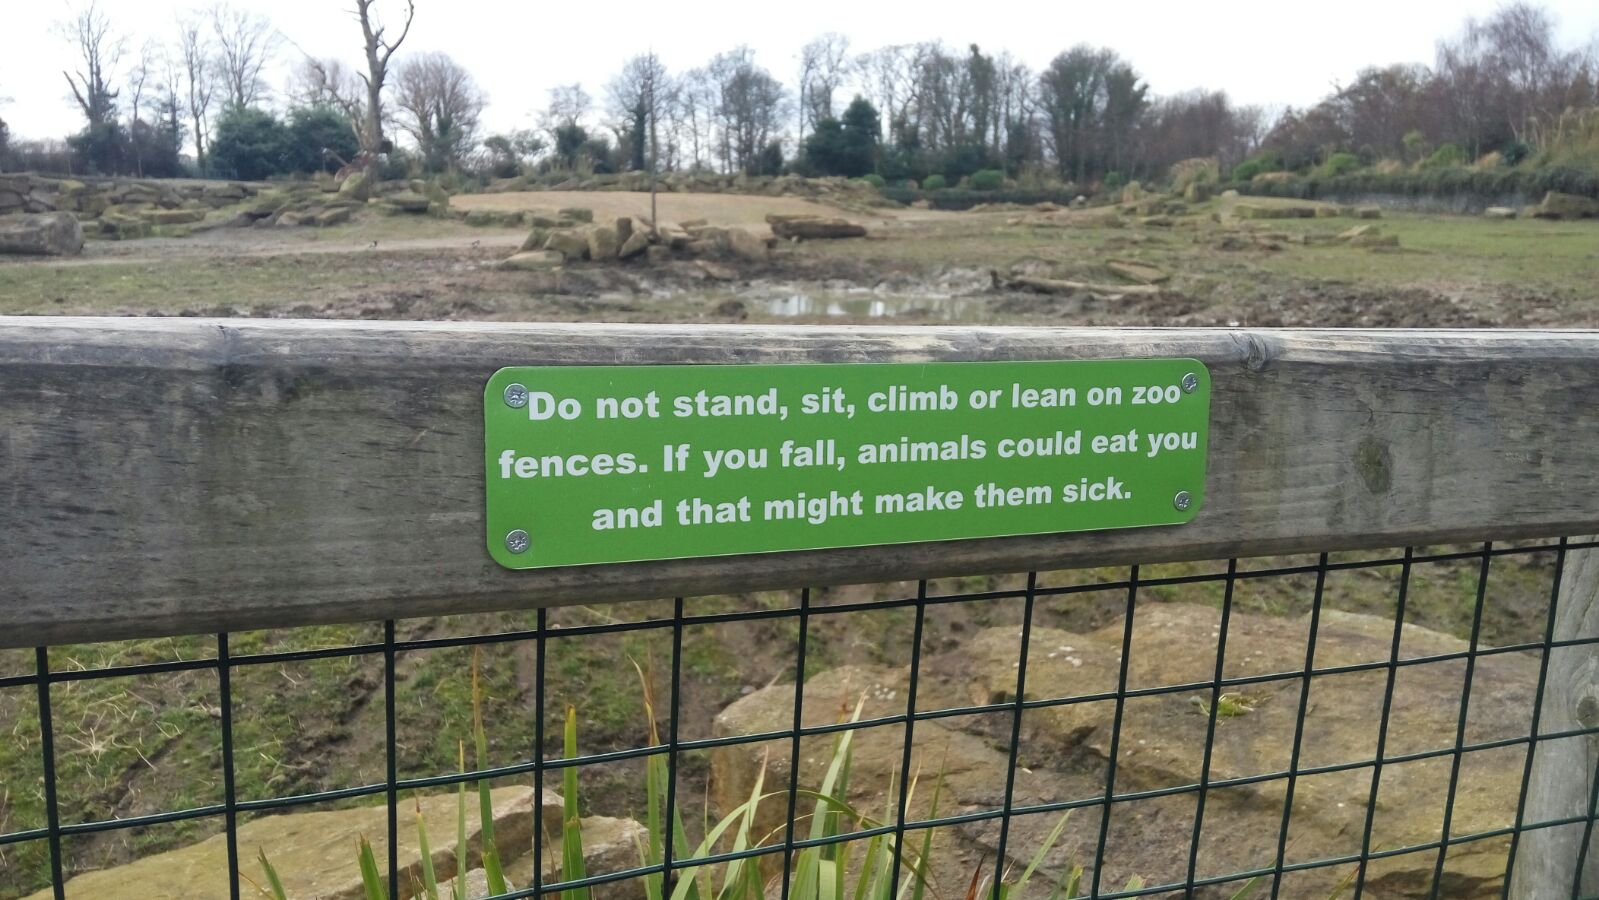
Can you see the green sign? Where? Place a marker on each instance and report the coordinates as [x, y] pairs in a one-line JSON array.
[[612, 464]]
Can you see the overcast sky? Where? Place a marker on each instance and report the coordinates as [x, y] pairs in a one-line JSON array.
[[1270, 53]]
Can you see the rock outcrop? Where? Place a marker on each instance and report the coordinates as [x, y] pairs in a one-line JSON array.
[[813, 228], [44, 234], [315, 852], [1065, 747], [1557, 205]]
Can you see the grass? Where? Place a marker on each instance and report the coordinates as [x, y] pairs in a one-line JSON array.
[[1523, 271]]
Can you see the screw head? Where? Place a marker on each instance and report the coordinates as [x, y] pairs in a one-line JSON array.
[[517, 541], [1190, 383], [1182, 501], [515, 396]]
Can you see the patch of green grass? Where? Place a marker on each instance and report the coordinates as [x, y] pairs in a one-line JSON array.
[[172, 285]]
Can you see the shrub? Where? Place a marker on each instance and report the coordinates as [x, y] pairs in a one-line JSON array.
[[251, 144], [1514, 152], [873, 179], [935, 182], [955, 199], [988, 180], [320, 140], [1338, 164], [1446, 155], [1113, 181]]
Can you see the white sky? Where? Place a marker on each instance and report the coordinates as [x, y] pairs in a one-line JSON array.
[[1270, 53]]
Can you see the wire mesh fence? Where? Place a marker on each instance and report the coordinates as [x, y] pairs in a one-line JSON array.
[[1351, 724]]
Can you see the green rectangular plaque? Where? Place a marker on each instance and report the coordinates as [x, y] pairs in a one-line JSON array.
[[607, 464]]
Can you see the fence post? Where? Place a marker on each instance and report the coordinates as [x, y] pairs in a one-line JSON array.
[[1564, 770]]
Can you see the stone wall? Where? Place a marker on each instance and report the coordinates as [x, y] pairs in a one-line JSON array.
[[91, 198]]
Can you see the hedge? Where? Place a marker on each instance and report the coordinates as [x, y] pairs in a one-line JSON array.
[[1445, 182], [956, 200]]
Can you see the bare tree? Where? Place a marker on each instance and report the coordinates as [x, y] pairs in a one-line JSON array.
[[636, 97], [693, 114], [139, 83], [569, 103], [327, 82], [824, 66], [749, 108], [378, 53], [439, 107], [99, 52], [246, 42], [194, 54]]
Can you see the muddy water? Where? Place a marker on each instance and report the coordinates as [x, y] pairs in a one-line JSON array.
[[951, 296], [829, 305]]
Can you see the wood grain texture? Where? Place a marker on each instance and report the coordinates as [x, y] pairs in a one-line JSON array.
[[163, 476], [1562, 782]]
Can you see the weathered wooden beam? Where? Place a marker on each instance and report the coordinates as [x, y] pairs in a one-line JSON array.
[[1561, 786], [163, 476]]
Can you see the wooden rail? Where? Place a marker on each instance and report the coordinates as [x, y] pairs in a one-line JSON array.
[[167, 476]]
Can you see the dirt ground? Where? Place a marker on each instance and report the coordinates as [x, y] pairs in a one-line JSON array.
[[916, 267]]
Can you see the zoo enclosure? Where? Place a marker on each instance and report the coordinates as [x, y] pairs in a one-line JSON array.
[[169, 477]]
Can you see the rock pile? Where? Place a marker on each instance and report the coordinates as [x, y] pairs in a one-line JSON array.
[[314, 852], [571, 236], [1064, 748], [120, 207]]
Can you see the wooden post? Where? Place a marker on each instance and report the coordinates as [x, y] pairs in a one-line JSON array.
[[1563, 771]]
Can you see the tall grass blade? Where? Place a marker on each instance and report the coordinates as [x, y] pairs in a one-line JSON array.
[[653, 852], [572, 867], [1043, 849], [272, 878], [485, 797], [460, 826], [430, 878], [371, 881], [1248, 890], [918, 885], [714, 834], [736, 869]]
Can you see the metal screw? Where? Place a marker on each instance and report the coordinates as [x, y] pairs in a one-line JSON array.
[[1190, 383], [1182, 501], [515, 396], [517, 541]]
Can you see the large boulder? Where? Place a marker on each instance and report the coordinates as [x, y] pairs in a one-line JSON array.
[[748, 245], [356, 186], [1557, 205], [1274, 211], [636, 243], [603, 242], [314, 852], [811, 228], [172, 216], [41, 234], [407, 202], [533, 260], [573, 245]]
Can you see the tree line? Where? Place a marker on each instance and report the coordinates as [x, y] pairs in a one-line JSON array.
[[908, 112]]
